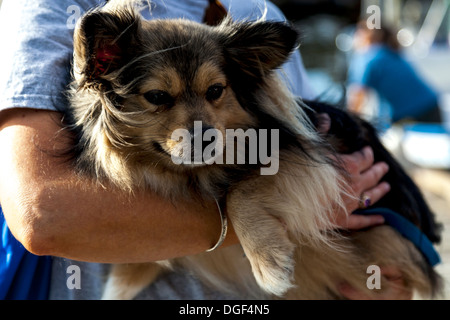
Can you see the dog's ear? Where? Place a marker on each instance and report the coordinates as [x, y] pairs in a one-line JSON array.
[[259, 47], [103, 43]]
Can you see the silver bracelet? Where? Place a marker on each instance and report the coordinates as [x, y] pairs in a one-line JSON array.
[[223, 233]]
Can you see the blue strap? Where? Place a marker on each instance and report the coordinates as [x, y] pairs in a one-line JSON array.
[[23, 276], [408, 230]]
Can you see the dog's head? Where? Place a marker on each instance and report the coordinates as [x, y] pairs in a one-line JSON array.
[[152, 78]]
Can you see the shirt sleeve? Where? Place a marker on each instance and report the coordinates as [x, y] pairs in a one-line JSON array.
[[369, 76], [362, 70], [36, 39], [37, 49]]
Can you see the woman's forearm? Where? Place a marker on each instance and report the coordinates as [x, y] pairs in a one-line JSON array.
[[53, 211]]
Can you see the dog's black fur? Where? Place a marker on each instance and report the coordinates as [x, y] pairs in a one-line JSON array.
[[349, 133]]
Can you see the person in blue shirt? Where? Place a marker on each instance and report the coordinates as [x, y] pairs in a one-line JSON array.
[[377, 66]]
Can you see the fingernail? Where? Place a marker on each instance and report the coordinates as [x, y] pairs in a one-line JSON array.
[[378, 219], [367, 149], [383, 166]]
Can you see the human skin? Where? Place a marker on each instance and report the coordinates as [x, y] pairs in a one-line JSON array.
[[54, 211]]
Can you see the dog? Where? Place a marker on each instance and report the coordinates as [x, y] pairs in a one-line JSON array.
[[137, 82], [381, 245], [134, 87]]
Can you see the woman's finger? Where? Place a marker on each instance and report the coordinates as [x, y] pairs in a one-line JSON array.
[[375, 194], [358, 222], [359, 161], [372, 176]]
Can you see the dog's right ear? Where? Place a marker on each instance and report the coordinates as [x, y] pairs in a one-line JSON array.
[[103, 43]]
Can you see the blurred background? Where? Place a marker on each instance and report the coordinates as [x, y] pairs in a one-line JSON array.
[[327, 28], [423, 31]]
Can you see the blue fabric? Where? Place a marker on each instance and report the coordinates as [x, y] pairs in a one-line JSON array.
[[436, 129], [23, 276], [394, 79], [407, 230]]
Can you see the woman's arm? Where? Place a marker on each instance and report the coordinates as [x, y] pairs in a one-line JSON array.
[[53, 211]]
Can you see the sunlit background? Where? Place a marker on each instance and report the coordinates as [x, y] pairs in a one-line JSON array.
[[327, 27]]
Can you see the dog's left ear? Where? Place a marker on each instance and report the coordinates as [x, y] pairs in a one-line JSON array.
[[256, 48]]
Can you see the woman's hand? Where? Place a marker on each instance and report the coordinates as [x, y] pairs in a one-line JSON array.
[[364, 183], [364, 186]]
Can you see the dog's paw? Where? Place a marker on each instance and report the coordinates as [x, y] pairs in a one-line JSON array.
[[273, 269]]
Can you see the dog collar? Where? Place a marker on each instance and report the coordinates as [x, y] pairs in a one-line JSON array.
[[407, 230]]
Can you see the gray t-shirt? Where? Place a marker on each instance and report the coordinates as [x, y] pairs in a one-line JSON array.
[[36, 39]]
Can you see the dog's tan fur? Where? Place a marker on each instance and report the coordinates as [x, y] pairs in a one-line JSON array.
[[359, 251], [118, 126]]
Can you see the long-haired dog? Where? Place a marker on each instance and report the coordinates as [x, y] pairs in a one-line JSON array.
[[137, 82], [381, 246]]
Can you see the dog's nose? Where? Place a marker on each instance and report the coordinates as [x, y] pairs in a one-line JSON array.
[[199, 142], [198, 132]]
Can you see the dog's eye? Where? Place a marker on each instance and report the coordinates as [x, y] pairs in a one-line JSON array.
[[214, 92], [159, 98]]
